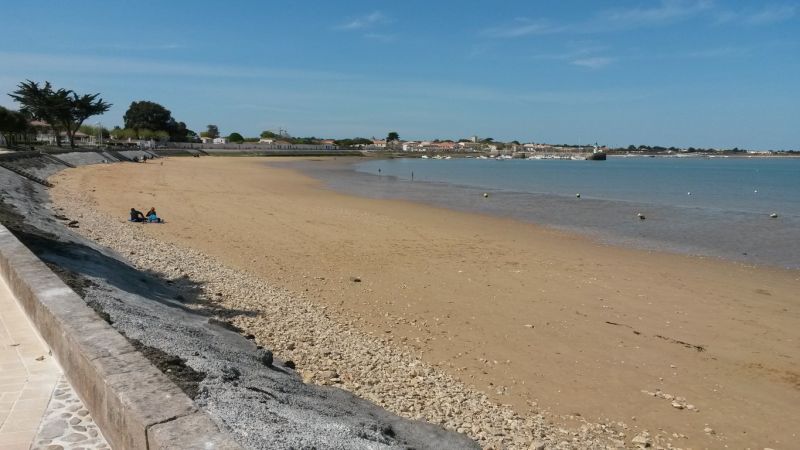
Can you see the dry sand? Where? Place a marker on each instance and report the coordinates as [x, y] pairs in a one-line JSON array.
[[524, 313]]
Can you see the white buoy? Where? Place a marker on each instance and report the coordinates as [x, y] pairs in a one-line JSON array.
[[756, 191], [689, 193], [774, 215], [485, 195]]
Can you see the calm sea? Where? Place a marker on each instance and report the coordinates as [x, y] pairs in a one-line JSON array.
[[707, 206]]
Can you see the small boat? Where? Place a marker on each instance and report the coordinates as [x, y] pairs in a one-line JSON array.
[[597, 154]]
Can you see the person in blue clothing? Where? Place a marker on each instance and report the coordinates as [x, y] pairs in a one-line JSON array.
[[152, 216]]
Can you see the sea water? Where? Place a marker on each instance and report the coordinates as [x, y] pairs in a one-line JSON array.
[[717, 207]]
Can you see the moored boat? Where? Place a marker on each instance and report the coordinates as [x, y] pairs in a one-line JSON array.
[[597, 154]]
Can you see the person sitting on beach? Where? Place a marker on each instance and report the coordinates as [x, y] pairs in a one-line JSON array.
[[137, 216], [152, 216]]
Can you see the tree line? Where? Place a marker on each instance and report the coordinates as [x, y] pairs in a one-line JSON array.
[[63, 110], [149, 120]]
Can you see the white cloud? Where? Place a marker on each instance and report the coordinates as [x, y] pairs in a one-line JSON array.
[[581, 54], [594, 62], [522, 27], [142, 47], [585, 97], [480, 50], [362, 22], [50, 63], [665, 11], [765, 16], [572, 51], [772, 14], [721, 52]]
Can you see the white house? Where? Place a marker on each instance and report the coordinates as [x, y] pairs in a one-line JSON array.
[[45, 134], [217, 140], [410, 146]]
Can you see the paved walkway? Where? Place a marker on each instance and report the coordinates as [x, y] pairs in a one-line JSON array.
[[32, 387]]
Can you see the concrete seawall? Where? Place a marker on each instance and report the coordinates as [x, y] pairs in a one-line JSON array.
[[135, 405]]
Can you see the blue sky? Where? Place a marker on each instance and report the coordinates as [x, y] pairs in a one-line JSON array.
[[706, 73]]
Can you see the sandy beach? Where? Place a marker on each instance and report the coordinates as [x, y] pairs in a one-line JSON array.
[[699, 352]]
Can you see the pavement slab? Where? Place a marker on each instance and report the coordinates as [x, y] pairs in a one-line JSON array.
[[38, 408]]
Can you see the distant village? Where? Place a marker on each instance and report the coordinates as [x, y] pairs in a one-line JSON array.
[[94, 135], [42, 134]]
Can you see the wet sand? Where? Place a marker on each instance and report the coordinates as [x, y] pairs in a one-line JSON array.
[[524, 313]]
